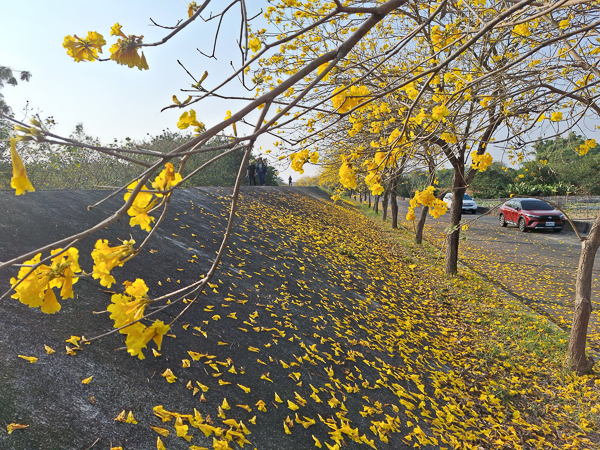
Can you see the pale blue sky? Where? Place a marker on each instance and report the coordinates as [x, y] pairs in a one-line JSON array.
[[113, 101]]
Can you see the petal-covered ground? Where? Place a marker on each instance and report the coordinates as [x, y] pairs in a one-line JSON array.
[[321, 329], [539, 268]]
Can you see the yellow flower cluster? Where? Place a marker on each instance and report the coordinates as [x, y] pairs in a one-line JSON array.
[[192, 8], [302, 157], [254, 44], [167, 179], [522, 30], [36, 289], [373, 179], [350, 98], [125, 50], [586, 146], [556, 116], [440, 112], [84, 49], [19, 180], [450, 138], [106, 258], [437, 207], [481, 162], [129, 307], [347, 175], [188, 119], [140, 208]]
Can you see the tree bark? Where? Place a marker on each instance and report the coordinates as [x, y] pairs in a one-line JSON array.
[[369, 199], [384, 205], [421, 225], [576, 357], [394, 202], [452, 241], [376, 206]]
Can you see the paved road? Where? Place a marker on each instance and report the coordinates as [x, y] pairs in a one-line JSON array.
[[539, 268]]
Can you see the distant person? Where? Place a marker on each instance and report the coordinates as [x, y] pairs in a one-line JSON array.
[[251, 173], [290, 180], [261, 168]]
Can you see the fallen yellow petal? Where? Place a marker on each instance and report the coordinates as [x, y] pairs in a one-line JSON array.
[[31, 359]]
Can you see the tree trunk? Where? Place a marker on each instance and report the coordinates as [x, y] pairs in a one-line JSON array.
[[376, 206], [458, 190], [384, 205], [576, 357], [360, 197], [369, 199], [421, 225], [394, 202]]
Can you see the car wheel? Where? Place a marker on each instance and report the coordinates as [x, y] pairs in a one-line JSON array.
[[502, 220], [522, 226]]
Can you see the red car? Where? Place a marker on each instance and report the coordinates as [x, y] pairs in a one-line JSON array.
[[531, 213]]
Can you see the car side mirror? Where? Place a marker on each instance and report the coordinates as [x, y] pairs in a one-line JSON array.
[[518, 208]]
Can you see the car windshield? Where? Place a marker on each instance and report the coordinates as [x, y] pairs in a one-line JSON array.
[[467, 197], [536, 205]]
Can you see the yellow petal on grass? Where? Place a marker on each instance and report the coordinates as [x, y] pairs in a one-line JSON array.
[[159, 444], [202, 386], [31, 359], [120, 417], [161, 431], [244, 388], [15, 426], [130, 418], [317, 442], [225, 405], [169, 375], [49, 350], [87, 380]]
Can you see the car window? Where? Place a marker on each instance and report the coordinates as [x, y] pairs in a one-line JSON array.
[[510, 204], [536, 205], [467, 197]]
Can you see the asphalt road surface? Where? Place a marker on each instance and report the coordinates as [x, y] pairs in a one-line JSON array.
[[537, 267]]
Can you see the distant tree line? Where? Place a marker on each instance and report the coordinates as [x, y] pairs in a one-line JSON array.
[[51, 168], [558, 168]]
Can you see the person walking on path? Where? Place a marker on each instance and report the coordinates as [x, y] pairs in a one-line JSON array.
[[261, 168], [251, 173], [290, 180]]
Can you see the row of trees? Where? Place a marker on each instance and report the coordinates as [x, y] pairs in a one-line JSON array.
[[72, 167], [375, 90]]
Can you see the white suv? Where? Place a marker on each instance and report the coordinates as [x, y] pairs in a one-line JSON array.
[[468, 205]]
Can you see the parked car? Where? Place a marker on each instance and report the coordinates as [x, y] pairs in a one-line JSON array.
[[531, 214], [468, 205]]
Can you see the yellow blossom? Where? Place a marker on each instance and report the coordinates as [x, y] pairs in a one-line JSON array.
[[106, 258], [84, 49], [440, 112], [167, 179], [36, 289], [19, 180], [142, 204], [481, 162], [254, 44], [125, 50]]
